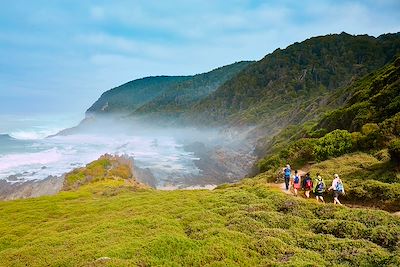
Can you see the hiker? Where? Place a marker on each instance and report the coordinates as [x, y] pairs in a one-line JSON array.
[[319, 188], [338, 189], [287, 173], [296, 182], [307, 185]]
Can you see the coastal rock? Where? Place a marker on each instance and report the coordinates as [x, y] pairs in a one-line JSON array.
[[16, 190]]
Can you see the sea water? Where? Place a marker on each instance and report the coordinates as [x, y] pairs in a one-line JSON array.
[[26, 152]]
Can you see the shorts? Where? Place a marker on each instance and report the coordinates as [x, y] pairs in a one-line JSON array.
[[318, 194], [336, 193]]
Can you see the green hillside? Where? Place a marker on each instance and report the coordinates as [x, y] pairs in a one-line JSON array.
[[291, 85], [360, 141], [129, 96], [180, 97], [108, 222], [163, 93], [368, 121]]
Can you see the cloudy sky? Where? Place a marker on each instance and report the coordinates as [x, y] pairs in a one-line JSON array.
[[59, 56]]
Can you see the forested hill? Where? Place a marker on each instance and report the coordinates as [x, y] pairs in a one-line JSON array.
[[129, 96], [163, 93], [288, 84], [181, 96]]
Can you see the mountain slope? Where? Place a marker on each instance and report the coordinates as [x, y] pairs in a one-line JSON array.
[[359, 140], [370, 111], [162, 93], [129, 96], [275, 89], [180, 97]]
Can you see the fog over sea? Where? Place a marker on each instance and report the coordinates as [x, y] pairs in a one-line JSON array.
[[27, 154]]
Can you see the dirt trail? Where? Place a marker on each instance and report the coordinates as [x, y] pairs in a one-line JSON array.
[[302, 172]]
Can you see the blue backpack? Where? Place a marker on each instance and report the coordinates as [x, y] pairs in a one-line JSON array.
[[339, 186], [287, 172], [296, 179]]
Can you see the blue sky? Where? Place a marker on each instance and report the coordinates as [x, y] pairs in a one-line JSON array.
[[59, 56]]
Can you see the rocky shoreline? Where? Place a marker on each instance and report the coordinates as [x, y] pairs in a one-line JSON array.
[[217, 165], [16, 190]]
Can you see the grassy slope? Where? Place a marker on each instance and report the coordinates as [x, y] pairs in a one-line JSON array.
[[246, 224]]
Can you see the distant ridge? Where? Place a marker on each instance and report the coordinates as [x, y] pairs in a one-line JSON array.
[[160, 93]]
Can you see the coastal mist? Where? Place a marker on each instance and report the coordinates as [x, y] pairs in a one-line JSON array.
[[164, 157]]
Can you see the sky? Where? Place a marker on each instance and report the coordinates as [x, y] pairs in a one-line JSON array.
[[57, 57]]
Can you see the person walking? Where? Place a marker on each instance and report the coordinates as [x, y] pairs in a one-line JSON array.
[[307, 185], [319, 188], [287, 173], [338, 189], [296, 182]]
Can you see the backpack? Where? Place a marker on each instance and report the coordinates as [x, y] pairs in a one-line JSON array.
[[320, 186], [308, 184], [296, 179], [339, 186], [287, 172]]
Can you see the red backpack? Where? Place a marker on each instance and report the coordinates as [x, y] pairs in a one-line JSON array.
[[309, 184]]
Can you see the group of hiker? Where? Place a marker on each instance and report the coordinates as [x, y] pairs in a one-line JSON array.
[[317, 186]]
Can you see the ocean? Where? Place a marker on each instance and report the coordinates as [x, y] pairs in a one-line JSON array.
[[26, 152]]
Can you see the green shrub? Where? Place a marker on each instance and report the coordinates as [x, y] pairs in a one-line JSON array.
[[390, 128], [369, 128], [356, 139], [394, 150], [340, 228], [333, 144], [370, 137], [375, 192], [385, 236], [268, 163]]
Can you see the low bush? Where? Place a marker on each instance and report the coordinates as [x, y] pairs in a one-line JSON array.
[[394, 150], [333, 144]]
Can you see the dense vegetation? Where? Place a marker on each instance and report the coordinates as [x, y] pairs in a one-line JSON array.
[[290, 86], [109, 223], [369, 121]]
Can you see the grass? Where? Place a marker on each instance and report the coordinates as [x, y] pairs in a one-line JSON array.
[[245, 224]]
